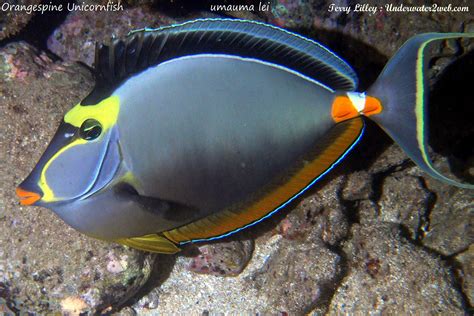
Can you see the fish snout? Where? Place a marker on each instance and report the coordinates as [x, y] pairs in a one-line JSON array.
[[27, 197]]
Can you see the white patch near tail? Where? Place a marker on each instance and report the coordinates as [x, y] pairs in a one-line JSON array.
[[358, 100]]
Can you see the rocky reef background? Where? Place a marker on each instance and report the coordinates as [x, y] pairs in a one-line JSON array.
[[375, 235]]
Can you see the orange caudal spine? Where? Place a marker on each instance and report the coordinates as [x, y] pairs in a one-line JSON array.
[[372, 106], [352, 104]]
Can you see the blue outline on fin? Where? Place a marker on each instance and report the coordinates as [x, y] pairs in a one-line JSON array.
[[289, 200], [338, 64]]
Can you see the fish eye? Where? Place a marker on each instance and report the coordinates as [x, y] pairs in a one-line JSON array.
[[90, 129]]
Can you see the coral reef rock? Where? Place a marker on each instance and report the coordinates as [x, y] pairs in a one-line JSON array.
[[75, 39], [224, 259], [13, 19], [390, 275]]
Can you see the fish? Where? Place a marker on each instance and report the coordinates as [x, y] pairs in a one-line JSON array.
[[198, 130]]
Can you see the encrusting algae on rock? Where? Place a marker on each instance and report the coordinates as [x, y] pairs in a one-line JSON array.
[[73, 305]]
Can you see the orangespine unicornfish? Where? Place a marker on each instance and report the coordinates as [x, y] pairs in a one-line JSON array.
[[198, 130]]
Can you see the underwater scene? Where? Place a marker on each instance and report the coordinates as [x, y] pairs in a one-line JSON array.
[[253, 157]]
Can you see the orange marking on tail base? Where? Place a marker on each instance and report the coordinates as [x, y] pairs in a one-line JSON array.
[[27, 197], [372, 106], [343, 109]]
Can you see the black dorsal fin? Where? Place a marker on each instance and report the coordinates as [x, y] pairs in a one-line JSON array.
[[149, 47]]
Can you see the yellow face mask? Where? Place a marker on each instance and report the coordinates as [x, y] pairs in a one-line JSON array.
[[72, 161]]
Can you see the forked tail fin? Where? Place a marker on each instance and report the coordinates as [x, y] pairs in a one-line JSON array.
[[401, 88]]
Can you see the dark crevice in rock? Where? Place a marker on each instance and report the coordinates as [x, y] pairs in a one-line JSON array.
[[379, 177], [449, 261], [350, 210], [6, 294], [450, 106], [404, 231], [350, 207], [366, 153], [41, 26], [161, 270], [457, 282], [108, 299], [457, 253], [458, 276], [425, 217], [328, 289]]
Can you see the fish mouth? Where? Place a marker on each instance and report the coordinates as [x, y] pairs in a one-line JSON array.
[[27, 197]]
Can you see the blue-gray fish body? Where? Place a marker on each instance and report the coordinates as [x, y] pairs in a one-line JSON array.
[[222, 120], [195, 141]]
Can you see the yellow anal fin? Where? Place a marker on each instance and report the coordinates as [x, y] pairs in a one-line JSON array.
[[150, 243], [339, 140]]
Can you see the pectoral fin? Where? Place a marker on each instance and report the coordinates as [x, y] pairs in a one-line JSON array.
[[168, 214]]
